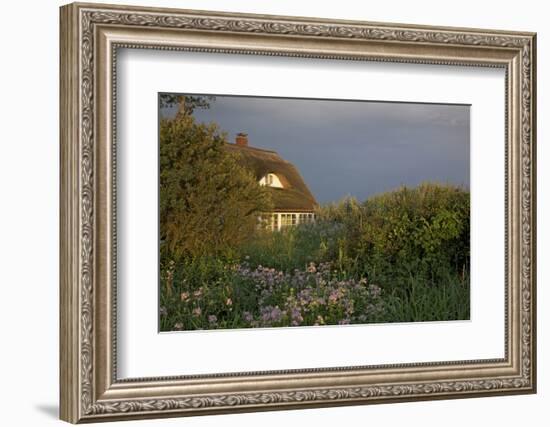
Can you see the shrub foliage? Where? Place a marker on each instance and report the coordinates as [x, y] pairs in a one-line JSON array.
[[209, 205], [425, 229]]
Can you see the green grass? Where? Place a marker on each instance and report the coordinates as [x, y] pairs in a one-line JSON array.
[[422, 302]]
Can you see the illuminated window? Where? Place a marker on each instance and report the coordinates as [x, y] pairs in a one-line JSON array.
[[269, 222], [271, 180], [275, 222], [288, 219]]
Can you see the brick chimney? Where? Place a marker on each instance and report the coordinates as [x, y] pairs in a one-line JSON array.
[[242, 139]]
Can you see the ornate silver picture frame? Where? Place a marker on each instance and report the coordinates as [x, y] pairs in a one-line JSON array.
[[91, 36]]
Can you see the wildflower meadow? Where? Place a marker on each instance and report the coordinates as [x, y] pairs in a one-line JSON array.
[[402, 256]]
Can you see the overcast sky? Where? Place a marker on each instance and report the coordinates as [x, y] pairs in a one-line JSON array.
[[353, 148]]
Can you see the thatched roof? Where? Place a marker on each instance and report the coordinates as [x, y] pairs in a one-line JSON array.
[[295, 195]]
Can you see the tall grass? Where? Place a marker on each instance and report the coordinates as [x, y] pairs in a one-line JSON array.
[[294, 247], [419, 301]]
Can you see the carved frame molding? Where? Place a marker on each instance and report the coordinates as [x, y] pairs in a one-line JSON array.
[[90, 36]]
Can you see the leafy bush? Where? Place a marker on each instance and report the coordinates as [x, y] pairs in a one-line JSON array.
[[209, 205], [425, 230]]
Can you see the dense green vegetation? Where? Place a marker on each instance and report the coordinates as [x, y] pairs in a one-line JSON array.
[[399, 256], [208, 203]]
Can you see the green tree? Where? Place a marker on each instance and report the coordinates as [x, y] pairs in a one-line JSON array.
[[209, 204]]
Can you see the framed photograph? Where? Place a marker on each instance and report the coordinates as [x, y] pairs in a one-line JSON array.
[[267, 212]]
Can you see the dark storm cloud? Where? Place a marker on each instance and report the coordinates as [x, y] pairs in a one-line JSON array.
[[353, 148]]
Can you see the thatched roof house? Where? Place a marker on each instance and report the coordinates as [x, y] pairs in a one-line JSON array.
[[293, 201]]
